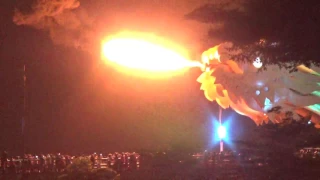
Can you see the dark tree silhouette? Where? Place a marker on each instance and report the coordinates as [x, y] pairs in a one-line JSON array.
[[284, 32]]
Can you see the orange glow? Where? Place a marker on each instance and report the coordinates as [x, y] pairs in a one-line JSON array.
[[146, 52]]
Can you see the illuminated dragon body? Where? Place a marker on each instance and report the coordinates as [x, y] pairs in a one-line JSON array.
[[272, 95]]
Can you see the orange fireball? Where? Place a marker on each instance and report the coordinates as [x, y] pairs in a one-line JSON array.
[[145, 52]]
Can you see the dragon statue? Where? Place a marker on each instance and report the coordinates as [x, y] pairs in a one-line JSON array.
[[274, 95]]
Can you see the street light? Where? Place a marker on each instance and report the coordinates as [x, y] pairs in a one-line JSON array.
[[222, 132]]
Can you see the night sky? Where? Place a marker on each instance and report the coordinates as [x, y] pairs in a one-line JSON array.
[[76, 103]]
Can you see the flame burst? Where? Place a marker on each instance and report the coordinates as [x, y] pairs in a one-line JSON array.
[[146, 52]]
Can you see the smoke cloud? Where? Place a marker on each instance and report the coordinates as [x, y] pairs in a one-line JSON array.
[[63, 20], [69, 24]]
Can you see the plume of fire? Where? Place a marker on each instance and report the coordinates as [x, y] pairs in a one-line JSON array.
[[146, 52], [152, 54]]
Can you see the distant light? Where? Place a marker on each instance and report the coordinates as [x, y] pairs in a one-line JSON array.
[[257, 92], [222, 132], [309, 122], [267, 104], [257, 63], [266, 88], [260, 83], [274, 44]]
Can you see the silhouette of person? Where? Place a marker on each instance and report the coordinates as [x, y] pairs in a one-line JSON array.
[[4, 159]]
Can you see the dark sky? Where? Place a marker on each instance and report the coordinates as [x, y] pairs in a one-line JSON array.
[[76, 103]]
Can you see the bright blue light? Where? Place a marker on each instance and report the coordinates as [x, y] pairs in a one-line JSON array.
[[222, 132], [216, 130]]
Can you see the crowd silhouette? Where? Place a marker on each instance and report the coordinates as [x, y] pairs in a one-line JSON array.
[[59, 162], [313, 153]]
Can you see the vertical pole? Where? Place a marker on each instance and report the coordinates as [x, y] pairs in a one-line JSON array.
[[24, 108], [220, 121]]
